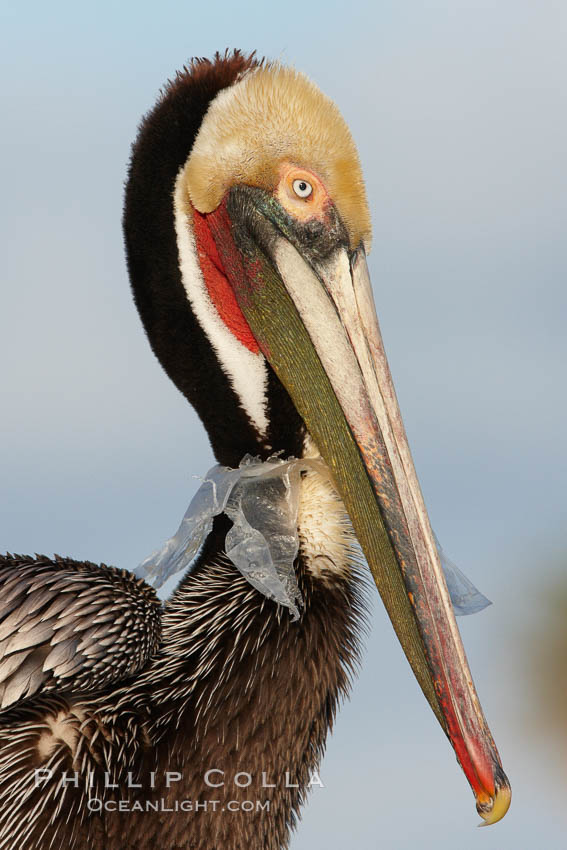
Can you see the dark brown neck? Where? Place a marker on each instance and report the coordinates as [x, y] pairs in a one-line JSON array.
[[241, 690]]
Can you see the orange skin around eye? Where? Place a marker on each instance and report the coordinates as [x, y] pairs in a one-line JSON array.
[[314, 206]]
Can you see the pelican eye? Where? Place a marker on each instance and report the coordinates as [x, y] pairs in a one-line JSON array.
[[302, 188]]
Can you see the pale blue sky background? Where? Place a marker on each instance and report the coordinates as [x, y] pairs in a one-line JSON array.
[[459, 111]]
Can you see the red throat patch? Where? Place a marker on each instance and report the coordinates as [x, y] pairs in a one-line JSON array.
[[218, 287]]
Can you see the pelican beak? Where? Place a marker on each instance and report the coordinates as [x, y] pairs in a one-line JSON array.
[[307, 298]]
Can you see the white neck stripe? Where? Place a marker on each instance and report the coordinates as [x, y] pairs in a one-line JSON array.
[[245, 370]]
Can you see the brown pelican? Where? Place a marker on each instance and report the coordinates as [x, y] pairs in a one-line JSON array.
[[246, 227]]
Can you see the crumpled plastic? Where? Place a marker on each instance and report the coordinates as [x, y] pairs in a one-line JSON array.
[[261, 498], [464, 595]]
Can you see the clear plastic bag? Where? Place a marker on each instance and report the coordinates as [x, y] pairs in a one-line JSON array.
[[262, 498], [465, 597]]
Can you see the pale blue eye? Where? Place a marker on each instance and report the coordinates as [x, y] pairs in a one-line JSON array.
[[302, 188]]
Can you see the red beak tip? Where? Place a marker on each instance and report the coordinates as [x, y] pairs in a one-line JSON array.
[[494, 807]]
